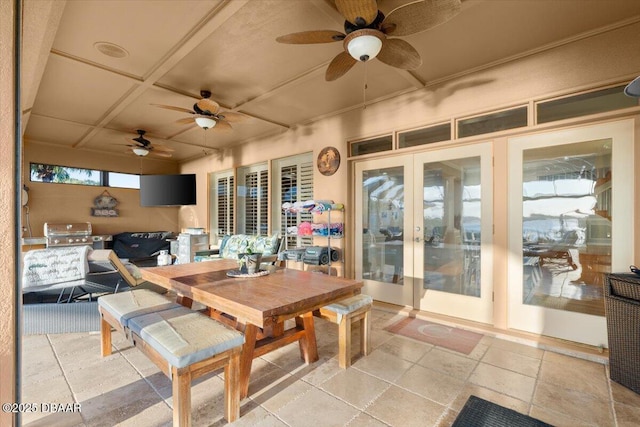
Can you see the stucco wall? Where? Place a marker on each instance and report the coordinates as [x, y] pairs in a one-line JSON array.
[[7, 219], [603, 59], [582, 65], [63, 203]]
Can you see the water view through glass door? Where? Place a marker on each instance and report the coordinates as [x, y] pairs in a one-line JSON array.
[[571, 196], [453, 219], [566, 226], [426, 230]]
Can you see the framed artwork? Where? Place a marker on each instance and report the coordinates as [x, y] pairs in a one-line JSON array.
[[328, 161]]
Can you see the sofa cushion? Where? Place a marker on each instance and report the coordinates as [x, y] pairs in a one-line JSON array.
[[238, 244], [265, 245]]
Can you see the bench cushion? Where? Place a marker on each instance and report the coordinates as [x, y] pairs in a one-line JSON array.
[[349, 305], [183, 336], [124, 306]]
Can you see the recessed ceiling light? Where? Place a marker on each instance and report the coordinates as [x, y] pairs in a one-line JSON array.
[[110, 49]]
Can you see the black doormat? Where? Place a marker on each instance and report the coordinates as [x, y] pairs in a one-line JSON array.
[[482, 413]]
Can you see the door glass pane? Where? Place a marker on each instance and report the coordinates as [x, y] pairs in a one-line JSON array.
[[567, 225], [451, 225], [383, 223]]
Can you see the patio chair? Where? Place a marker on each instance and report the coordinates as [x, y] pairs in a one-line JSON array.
[[61, 270], [129, 273]]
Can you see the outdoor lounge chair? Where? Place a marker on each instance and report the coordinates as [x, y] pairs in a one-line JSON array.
[[72, 275], [65, 273], [129, 273]]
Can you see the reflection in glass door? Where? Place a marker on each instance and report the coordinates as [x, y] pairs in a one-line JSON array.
[[426, 222], [571, 196], [451, 224], [566, 225], [384, 254], [453, 216]]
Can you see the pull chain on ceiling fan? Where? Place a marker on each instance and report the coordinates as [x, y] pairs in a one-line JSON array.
[[368, 31]]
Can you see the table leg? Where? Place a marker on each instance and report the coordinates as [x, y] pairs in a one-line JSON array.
[[308, 345], [184, 301], [246, 357]]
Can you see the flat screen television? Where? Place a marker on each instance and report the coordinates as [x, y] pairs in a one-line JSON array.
[[167, 190]]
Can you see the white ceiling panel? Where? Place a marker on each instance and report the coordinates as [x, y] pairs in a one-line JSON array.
[[46, 129], [242, 59], [78, 92], [315, 97], [147, 29]]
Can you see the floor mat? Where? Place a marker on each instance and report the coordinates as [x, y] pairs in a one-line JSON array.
[[482, 413], [433, 333]]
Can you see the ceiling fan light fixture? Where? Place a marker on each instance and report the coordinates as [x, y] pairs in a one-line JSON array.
[[633, 88], [205, 122], [140, 151], [364, 45]]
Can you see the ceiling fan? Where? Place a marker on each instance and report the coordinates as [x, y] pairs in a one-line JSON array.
[[368, 33], [142, 147], [207, 113]]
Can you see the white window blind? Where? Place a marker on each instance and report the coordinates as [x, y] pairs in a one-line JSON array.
[[253, 203], [221, 205], [225, 205], [295, 183]]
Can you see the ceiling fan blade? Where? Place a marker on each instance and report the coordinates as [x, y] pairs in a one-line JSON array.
[[233, 117], [342, 63], [186, 121], [222, 125], [159, 154], [312, 37], [162, 148], [400, 54], [419, 16], [170, 107], [207, 104], [354, 9]]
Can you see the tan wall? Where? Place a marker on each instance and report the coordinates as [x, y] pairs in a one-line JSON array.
[[8, 336], [63, 203], [600, 60], [588, 63]]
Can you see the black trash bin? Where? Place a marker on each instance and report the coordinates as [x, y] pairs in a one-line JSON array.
[[622, 306]]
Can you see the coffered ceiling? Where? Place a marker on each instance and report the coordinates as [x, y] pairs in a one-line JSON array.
[[87, 100]]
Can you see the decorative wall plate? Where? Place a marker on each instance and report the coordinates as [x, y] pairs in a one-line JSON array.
[[105, 201], [328, 161]]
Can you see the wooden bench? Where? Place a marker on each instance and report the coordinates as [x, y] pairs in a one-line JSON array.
[[345, 313], [183, 343]]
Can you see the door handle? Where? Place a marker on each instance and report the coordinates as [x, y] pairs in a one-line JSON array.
[[417, 239]]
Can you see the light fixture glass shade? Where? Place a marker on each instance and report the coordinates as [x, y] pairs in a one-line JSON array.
[[633, 88], [365, 47], [205, 122], [140, 151]]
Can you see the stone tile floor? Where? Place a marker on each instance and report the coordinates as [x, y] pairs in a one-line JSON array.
[[403, 382]]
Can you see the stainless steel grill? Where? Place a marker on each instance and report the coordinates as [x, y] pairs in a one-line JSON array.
[[74, 234]]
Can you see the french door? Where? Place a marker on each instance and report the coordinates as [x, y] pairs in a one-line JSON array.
[[426, 230], [570, 223], [384, 245]]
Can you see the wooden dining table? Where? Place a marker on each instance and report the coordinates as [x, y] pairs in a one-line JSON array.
[[257, 306]]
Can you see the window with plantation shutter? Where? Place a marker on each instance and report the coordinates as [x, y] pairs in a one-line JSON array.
[[221, 208], [293, 182], [252, 197]]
